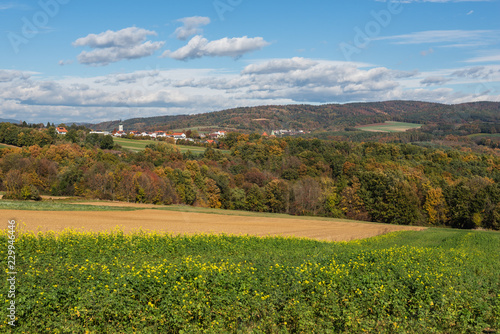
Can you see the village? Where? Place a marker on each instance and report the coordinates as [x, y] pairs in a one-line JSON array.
[[209, 138], [204, 139]]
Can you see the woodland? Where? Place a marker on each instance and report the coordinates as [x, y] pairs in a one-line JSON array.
[[389, 182]]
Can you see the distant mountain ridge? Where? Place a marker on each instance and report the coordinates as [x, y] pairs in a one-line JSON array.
[[325, 117], [5, 120]]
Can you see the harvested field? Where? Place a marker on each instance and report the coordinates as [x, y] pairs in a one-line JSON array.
[[176, 222], [389, 127]]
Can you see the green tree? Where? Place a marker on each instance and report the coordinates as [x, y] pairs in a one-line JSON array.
[[277, 196], [107, 142], [351, 203], [468, 202], [255, 199], [435, 206], [238, 199], [390, 198], [72, 136], [51, 131], [213, 194]]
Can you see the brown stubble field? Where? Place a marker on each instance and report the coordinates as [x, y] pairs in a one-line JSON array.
[[178, 222]]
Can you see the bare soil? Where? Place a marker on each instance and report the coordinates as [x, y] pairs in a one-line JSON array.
[[174, 222]]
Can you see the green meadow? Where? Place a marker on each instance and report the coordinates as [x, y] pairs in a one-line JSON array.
[[389, 127], [432, 281], [139, 145], [485, 135]]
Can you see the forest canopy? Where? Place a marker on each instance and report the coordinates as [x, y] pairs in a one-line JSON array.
[[391, 183]]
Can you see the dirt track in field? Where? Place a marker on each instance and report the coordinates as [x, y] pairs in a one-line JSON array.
[[190, 223]]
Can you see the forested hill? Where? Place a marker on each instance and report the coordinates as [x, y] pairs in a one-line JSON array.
[[323, 117]]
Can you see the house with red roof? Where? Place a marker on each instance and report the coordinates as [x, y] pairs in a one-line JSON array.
[[218, 134], [61, 130], [179, 135]]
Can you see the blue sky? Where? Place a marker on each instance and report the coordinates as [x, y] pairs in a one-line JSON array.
[[71, 60]]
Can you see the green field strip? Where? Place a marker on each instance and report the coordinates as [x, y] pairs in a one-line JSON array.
[[390, 126]]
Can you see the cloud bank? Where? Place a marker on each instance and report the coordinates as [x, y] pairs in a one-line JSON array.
[[25, 95]]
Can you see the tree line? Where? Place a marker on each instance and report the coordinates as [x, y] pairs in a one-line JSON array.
[[382, 182]]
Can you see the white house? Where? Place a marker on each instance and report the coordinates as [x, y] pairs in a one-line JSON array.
[[100, 132], [218, 134], [179, 135]]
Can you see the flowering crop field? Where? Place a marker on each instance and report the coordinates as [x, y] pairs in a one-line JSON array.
[[432, 281]]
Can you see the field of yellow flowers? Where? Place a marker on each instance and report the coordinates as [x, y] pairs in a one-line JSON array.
[[432, 281]]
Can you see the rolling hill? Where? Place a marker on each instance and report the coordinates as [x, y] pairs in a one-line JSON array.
[[328, 117]]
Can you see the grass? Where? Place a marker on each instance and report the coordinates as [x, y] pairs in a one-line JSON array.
[[197, 128], [193, 149], [139, 145], [486, 135], [434, 281], [58, 205], [389, 127], [133, 144], [6, 146]]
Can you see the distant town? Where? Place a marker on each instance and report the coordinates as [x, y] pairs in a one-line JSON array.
[[203, 138]]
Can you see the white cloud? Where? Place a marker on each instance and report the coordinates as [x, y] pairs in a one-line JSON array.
[[279, 66], [451, 38], [14, 5], [120, 38], [199, 47], [112, 46], [431, 81], [191, 26], [302, 80], [65, 62], [485, 59], [12, 75], [6, 6], [114, 54], [470, 12], [148, 77], [477, 72]]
